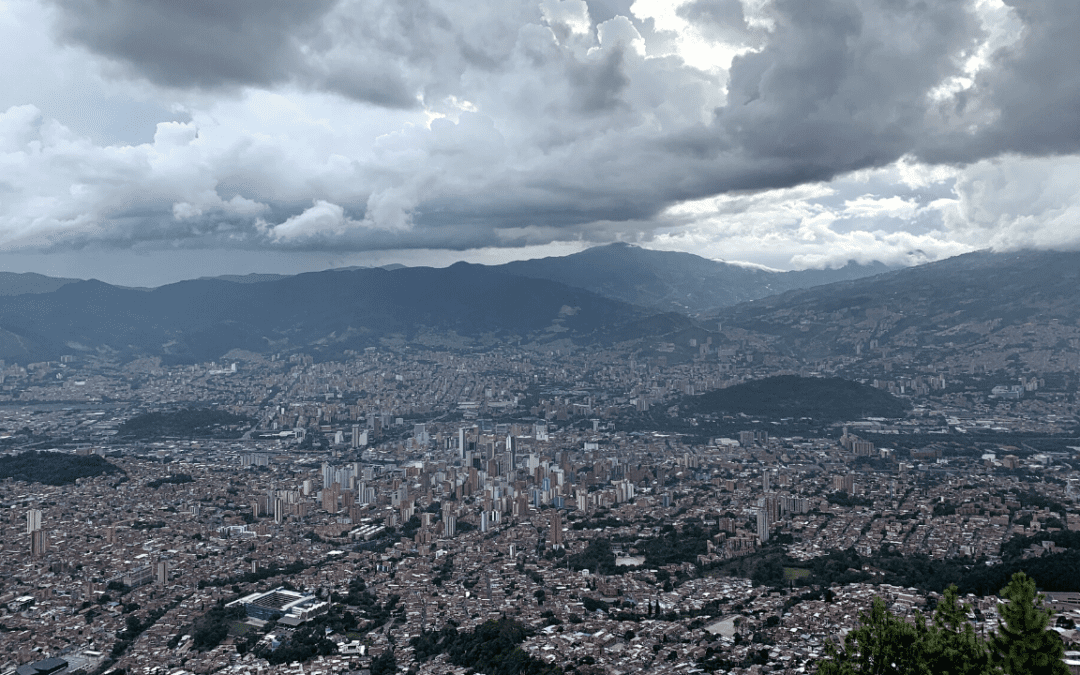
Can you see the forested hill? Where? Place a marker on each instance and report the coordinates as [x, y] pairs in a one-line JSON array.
[[823, 399], [328, 312], [54, 468]]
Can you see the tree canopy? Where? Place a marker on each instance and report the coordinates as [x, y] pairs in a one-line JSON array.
[[885, 644], [1022, 644], [54, 468]]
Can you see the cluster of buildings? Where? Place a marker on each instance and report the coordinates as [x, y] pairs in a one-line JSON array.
[[469, 486]]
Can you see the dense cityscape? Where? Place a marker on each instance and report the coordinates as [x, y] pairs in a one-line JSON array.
[[539, 337], [266, 511]]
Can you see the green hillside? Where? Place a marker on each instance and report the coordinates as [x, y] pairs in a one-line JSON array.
[[830, 399]]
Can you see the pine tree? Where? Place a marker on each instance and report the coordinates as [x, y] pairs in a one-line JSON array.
[[883, 644], [952, 646], [1022, 644]]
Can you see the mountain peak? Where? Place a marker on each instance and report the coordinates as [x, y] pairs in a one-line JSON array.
[[672, 280]]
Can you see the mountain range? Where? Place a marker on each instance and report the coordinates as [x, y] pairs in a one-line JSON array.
[[331, 311], [672, 281], [985, 307], [603, 295]]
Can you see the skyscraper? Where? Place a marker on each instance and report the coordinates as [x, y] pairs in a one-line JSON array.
[[555, 536], [762, 526], [33, 520], [39, 543]]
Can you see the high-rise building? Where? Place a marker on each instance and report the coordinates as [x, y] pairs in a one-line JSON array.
[[844, 484], [330, 500], [762, 526], [39, 543], [555, 534], [420, 436], [449, 525], [33, 520], [359, 438]]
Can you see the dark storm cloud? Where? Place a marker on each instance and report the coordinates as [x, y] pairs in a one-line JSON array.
[[1031, 93], [597, 85], [577, 133], [195, 43], [367, 51], [842, 85]]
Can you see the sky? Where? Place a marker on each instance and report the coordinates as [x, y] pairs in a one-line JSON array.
[[147, 141]]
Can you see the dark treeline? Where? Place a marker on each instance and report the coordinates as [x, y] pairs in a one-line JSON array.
[[185, 423], [824, 399], [491, 648], [1055, 572], [671, 547], [54, 468], [259, 575], [1052, 572], [309, 640], [175, 479]]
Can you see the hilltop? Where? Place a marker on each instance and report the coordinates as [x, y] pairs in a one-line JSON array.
[[823, 399], [674, 281]]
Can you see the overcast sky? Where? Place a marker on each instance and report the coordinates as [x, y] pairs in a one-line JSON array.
[[146, 141]]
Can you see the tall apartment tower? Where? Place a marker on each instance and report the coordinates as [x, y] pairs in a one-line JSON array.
[[762, 526], [555, 536], [39, 543], [33, 520]]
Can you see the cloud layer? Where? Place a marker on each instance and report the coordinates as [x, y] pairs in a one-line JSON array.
[[817, 129]]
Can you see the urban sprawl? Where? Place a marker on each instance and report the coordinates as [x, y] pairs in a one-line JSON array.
[[365, 506]]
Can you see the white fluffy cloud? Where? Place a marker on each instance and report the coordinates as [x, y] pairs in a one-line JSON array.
[[782, 131]]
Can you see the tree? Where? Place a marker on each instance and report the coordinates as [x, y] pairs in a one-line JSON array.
[[1023, 645], [883, 644], [384, 664], [952, 646]]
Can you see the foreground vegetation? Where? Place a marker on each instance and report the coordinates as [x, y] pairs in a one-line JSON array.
[[885, 644]]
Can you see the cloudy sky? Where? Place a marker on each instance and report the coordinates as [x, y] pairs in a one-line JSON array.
[[145, 141]]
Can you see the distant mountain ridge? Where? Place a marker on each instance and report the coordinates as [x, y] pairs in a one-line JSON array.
[[16, 283], [664, 281], [1023, 303], [330, 311], [1006, 308], [673, 281]]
